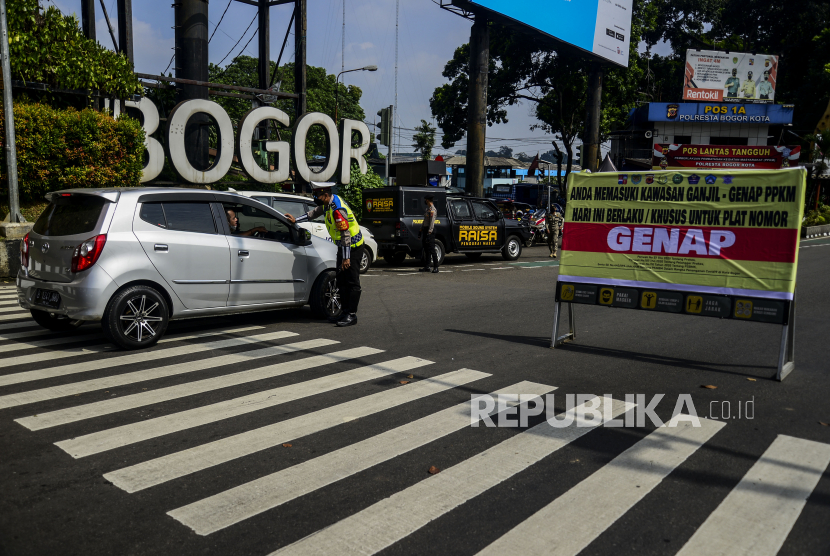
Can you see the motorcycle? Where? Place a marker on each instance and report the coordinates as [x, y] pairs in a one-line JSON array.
[[538, 229]]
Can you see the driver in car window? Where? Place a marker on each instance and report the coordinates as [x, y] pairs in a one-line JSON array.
[[233, 222]]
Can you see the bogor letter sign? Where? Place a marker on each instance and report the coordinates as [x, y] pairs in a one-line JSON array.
[[339, 156]]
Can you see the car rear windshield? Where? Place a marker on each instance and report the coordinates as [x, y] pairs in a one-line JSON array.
[[69, 216], [415, 206]]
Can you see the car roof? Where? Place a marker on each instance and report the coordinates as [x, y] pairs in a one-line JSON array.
[[292, 196]]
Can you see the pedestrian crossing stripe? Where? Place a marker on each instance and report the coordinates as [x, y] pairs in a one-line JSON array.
[[758, 514], [153, 428], [87, 366], [50, 355], [223, 510], [755, 518], [403, 513], [133, 401], [561, 527]]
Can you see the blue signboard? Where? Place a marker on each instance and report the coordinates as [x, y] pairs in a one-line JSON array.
[[601, 27], [720, 112]]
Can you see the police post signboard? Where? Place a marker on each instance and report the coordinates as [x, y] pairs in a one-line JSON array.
[[710, 243]]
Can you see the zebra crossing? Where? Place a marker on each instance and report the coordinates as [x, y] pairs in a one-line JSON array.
[[755, 517]]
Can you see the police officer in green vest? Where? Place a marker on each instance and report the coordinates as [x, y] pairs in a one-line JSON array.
[[345, 233]]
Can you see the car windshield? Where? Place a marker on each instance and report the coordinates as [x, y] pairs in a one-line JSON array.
[[69, 216]]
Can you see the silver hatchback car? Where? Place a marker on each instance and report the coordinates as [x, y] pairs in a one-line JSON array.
[[136, 258]]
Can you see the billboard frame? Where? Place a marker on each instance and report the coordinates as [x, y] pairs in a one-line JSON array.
[[469, 10]]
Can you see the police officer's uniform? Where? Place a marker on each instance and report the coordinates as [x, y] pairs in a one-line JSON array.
[[554, 222], [344, 230], [427, 235]]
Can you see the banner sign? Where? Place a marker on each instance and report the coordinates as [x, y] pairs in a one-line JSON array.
[[724, 156], [711, 233], [730, 76], [718, 112]]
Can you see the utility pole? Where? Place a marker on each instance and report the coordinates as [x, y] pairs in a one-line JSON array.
[[395, 111], [88, 18], [594, 110], [300, 30], [192, 63], [14, 216], [125, 29], [264, 64], [477, 118]]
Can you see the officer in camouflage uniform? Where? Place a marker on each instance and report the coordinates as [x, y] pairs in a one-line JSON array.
[[554, 223]]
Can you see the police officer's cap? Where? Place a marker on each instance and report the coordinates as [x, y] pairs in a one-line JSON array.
[[429, 197], [321, 185]]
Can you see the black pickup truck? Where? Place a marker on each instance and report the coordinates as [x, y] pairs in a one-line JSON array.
[[464, 225]]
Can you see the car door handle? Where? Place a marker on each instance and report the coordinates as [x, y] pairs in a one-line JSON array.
[[160, 248], [242, 253]]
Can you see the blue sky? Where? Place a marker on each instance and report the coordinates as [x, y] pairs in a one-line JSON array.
[[428, 38]]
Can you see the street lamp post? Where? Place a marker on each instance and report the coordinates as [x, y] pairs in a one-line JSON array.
[[337, 87]]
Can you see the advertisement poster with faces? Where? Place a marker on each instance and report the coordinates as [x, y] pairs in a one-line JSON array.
[[714, 76]]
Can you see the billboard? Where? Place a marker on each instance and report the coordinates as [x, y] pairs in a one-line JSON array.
[[712, 233], [753, 157], [600, 27], [730, 76]]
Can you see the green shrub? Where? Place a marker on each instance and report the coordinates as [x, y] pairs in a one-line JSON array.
[[353, 193], [63, 149], [48, 47]]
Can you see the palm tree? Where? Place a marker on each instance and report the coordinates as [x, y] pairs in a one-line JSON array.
[[424, 139]]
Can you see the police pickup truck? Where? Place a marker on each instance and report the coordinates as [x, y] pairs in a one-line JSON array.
[[465, 225]]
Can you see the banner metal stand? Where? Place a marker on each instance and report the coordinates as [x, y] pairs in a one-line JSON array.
[[786, 355], [571, 335]]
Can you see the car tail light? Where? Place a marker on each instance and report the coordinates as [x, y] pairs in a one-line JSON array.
[[87, 253], [24, 252]]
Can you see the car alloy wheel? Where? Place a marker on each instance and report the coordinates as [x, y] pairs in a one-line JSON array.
[[513, 248], [332, 298], [141, 319], [364, 262]]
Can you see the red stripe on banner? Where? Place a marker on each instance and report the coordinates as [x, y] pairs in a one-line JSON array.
[[775, 245]]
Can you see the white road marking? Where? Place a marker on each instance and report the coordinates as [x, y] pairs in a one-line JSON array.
[[51, 342], [471, 269], [130, 357], [154, 472], [539, 266], [394, 518], [248, 442], [503, 268], [14, 309], [107, 406], [758, 514], [19, 325], [409, 274], [28, 334], [18, 316], [561, 527], [237, 504]]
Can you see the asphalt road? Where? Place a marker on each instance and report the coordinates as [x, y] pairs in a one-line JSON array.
[[203, 445]]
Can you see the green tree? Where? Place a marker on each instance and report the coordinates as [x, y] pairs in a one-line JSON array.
[[47, 47], [523, 68], [353, 193], [424, 140], [322, 96]]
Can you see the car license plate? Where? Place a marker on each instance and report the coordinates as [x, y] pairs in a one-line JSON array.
[[47, 298]]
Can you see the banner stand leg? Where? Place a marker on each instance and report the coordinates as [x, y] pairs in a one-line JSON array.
[[786, 356], [571, 335]]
